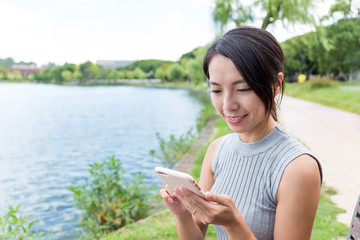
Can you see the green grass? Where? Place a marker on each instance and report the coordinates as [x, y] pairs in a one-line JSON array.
[[325, 226], [342, 97]]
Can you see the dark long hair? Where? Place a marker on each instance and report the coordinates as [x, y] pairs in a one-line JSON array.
[[257, 56]]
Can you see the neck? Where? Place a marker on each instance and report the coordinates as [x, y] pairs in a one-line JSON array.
[[259, 132]]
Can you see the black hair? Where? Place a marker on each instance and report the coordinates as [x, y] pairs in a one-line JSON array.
[[257, 56]]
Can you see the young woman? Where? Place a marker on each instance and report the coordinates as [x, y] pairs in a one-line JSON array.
[[261, 182]]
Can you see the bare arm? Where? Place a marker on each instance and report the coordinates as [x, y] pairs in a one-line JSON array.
[[298, 197]]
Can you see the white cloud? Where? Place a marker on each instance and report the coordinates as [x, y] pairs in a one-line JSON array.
[[203, 3], [80, 1], [18, 19]]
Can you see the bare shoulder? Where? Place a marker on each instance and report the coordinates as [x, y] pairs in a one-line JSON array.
[[298, 195], [302, 174], [303, 169], [212, 149]]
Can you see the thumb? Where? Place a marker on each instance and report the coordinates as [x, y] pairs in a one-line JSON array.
[[221, 199]]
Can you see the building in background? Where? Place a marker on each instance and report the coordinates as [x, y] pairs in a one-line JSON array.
[[25, 69], [113, 63]]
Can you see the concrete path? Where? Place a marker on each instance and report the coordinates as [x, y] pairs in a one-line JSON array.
[[334, 136]]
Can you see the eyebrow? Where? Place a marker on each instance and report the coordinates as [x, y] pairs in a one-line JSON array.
[[234, 83]]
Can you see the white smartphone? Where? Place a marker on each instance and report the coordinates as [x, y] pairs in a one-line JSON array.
[[176, 179]]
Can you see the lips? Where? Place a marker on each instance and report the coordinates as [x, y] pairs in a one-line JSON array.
[[235, 119]]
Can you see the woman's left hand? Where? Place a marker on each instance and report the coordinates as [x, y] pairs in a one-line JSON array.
[[217, 209]]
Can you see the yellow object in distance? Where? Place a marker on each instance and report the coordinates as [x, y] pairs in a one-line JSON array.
[[301, 78]]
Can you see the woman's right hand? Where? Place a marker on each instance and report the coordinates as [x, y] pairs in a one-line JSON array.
[[172, 202]]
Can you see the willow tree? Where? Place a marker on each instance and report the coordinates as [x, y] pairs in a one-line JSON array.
[[239, 12]]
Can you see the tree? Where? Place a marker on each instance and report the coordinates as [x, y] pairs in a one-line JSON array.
[[176, 72], [77, 75], [235, 11], [342, 6], [85, 69], [344, 38], [160, 74], [297, 58], [139, 74], [3, 72], [7, 62], [195, 65], [66, 75], [112, 74]]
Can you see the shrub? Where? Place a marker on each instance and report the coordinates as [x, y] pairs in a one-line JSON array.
[[172, 150], [176, 72], [323, 82], [16, 227], [107, 200]]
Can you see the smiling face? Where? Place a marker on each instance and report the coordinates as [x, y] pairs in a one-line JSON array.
[[236, 102]]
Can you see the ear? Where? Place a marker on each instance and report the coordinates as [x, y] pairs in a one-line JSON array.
[[279, 82]]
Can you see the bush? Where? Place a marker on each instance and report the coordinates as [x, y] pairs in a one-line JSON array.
[[172, 150], [323, 82], [106, 199], [16, 227], [176, 72]]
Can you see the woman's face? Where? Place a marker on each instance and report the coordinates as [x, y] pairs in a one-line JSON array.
[[235, 101]]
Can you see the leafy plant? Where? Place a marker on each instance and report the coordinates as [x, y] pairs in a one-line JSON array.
[[323, 82], [173, 149], [107, 200], [16, 227]]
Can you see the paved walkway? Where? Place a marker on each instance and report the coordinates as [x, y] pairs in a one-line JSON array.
[[334, 136]]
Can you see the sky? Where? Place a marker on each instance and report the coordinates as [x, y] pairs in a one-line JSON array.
[[75, 31]]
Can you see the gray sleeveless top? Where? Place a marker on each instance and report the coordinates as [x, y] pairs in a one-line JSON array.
[[250, 174]]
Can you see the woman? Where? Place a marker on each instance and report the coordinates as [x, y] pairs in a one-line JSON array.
[[261, 182]]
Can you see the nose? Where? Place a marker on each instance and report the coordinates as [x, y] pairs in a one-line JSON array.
[[230, 103]]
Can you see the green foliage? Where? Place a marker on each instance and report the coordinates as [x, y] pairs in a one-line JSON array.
[[289, 11], [139, 74], [195, 64], [129, 74], [16, 227], [7, 62], [176, 72], [342, 6], [66, 75], [107, 200], [343, 37], [297, 58], [172, 150], [148, 66], [85, 69], [331, 49], [323, 82], [160, 74]]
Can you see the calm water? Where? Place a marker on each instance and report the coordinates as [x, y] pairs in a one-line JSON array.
[[49, 134]]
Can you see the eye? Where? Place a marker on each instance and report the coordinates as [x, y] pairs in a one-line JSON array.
[[244, 90], [216, 91]]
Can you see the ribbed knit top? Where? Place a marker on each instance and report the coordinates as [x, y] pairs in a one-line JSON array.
[[250, 174]]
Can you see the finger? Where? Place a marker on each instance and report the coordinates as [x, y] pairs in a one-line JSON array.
[[166, 196], [191, 201], [218, 198], [169, 189]]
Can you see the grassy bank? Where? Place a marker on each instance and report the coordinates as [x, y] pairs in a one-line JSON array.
[[345, 96], [162, 225]]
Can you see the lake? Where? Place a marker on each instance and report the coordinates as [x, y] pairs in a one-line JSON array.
[[50, 133]]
